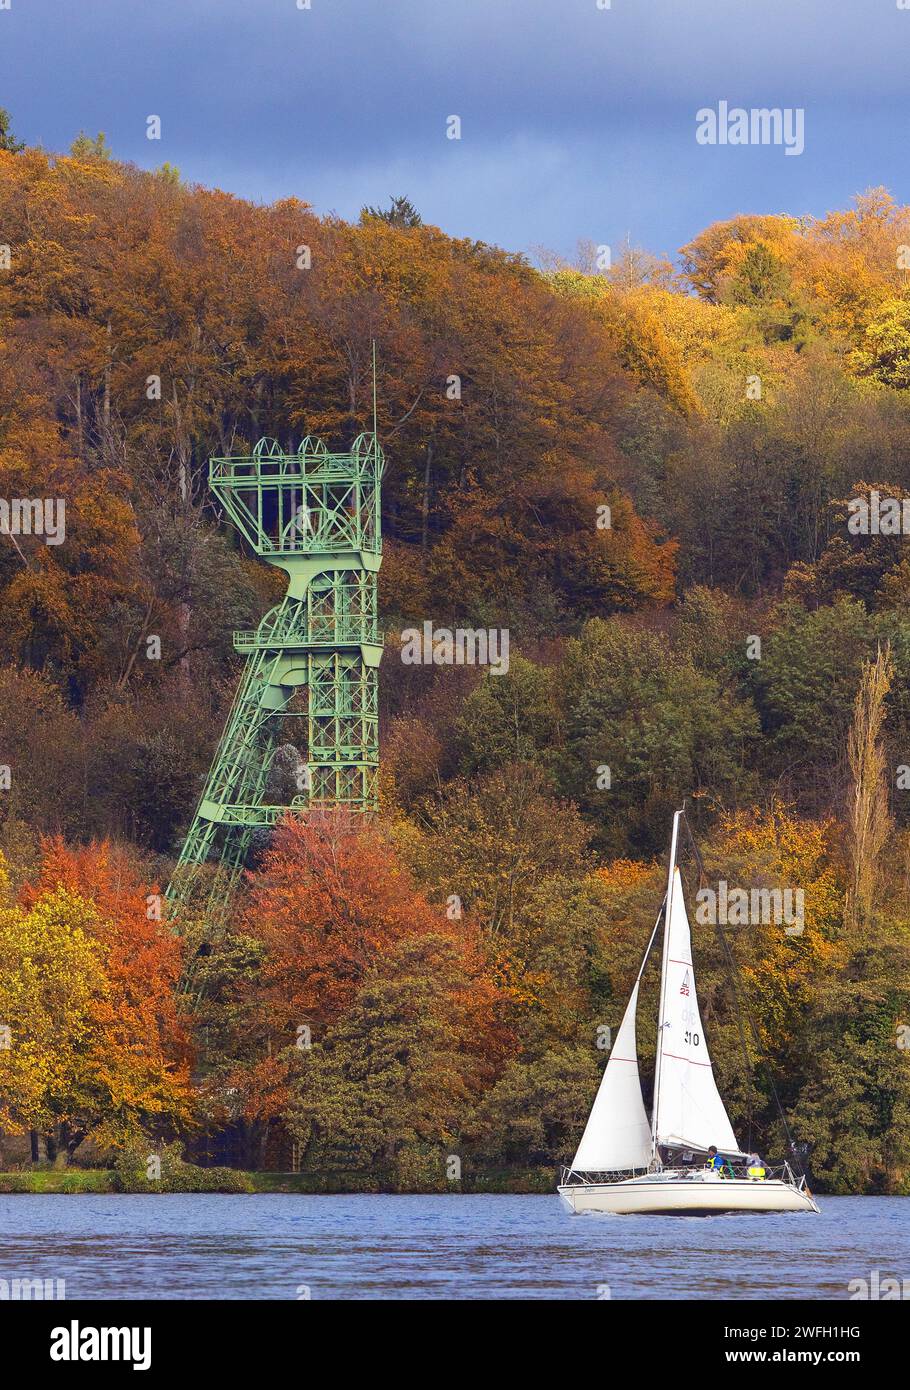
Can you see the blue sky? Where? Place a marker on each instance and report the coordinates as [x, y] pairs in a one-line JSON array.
[[577, 122]]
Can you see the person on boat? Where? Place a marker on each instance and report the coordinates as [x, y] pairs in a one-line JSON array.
[[721, 1165], [756, 1170]]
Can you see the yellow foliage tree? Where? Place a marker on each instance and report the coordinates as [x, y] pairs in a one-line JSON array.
[[50, 975]]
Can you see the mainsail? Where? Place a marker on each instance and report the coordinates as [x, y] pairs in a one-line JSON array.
[[618, 1135], [688, 1110]]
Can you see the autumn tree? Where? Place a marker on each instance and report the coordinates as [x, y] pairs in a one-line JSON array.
[[869, 822], [51, 982], [134, 1052], [404, 1066], [884, 354], [330, 902]]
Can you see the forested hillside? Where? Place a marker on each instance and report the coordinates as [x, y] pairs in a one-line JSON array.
[[728, 638]]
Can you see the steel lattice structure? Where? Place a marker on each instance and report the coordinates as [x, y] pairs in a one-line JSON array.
[[312, 660]]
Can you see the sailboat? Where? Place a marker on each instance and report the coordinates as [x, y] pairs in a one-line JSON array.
[[627, 1164]]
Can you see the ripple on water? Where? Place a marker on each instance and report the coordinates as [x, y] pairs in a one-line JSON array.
[[454, 1247]]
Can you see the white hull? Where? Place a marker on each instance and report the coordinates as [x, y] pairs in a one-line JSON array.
[[656, 1195]]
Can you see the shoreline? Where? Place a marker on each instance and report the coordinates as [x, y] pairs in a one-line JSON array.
[[95, 1181], [538, 1182]]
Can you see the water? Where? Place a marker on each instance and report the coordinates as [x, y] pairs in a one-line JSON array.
[[440, 1247]]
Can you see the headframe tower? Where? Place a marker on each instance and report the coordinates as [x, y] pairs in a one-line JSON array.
[[310, 678]]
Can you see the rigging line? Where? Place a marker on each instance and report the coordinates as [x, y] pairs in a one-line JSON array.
[[734, 977]]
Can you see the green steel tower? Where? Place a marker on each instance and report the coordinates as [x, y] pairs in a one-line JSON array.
[[309, 686]]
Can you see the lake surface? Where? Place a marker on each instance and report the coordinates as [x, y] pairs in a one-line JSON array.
[[440, 1247]]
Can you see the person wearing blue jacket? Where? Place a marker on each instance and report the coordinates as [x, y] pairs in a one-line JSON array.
[[720, 1164]]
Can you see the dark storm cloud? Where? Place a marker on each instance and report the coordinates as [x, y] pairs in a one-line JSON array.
[[577, 122]]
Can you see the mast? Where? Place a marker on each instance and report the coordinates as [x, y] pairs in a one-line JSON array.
[[663, 979]]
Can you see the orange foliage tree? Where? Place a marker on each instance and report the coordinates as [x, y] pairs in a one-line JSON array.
[[330, 902], [140, 1042]]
